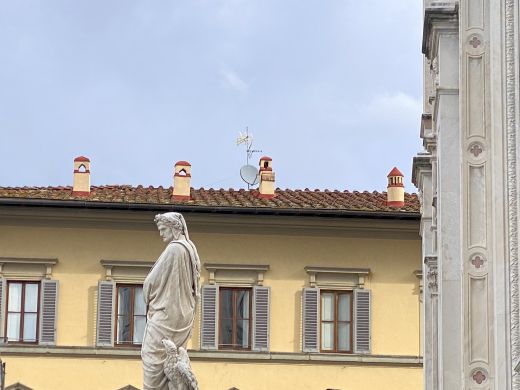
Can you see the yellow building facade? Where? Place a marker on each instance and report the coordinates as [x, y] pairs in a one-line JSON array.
[[348, 250]]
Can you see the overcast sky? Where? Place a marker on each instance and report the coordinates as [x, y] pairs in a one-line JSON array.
[[330, 89]]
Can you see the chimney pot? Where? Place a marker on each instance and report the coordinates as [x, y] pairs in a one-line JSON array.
[[81, 182], [395, 189], [182, 180]]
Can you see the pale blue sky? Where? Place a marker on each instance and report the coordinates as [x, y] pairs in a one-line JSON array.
[[330, 89]]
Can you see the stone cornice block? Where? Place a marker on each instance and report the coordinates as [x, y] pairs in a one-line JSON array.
[[421, 165], [438, 17]]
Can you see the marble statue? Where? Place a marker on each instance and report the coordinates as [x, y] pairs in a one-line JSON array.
[[171, 290]]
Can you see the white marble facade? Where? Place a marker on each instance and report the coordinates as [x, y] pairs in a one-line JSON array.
[[467, 178]]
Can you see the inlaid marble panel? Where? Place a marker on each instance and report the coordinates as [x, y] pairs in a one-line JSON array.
[[478, 319], [477, 206], [475, 96]]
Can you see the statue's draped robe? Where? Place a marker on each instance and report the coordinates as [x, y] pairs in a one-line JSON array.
[[170, 294]]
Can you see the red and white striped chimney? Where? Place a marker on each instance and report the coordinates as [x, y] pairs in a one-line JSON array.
[[395, 189]]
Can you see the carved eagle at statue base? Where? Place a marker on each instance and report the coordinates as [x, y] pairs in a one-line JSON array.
[[177, 368]]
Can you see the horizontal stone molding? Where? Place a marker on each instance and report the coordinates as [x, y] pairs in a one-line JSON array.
[[337, 277], [236, 274], [127, 263], [28, 260], [333, 270], [398, 225], [237, 267], [131, 271], [263, 357], [27, 267], [439, 18]]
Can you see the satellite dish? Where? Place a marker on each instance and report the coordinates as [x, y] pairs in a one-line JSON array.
[[249, 174]]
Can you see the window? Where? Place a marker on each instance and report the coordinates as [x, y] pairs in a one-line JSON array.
[[235, 308], [121, 313], [336, 311], [130, 315], [22, 311], [336, 321], [235, 318]]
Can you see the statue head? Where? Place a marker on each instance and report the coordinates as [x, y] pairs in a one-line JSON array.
[[171, 226]]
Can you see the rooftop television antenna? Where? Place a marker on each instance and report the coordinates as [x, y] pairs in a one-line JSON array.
[[248, 173]]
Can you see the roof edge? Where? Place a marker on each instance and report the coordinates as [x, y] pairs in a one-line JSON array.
[[404, 215]]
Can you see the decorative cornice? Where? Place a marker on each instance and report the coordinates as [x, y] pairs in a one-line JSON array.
[[421, 164], [438, 16], [127, 263], [359, 273], [140, 269], [332, 270], [214, 222], [28, 260], [230, 210], [240, 270], [236, 267], [426, 124], [45, 263]]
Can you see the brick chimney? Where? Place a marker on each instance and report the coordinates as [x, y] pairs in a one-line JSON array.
[[266, 187], [182, 180], [81, 182], [395, 189]]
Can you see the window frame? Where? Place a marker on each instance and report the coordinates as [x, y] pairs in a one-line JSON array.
[[132, 316], [234, 346], [336, 321], [22, 312]]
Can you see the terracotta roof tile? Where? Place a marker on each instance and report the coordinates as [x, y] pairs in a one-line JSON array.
[[284, 199]]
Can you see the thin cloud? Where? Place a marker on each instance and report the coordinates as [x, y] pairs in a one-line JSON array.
[[395, 103], [396, 111], [231, 79]]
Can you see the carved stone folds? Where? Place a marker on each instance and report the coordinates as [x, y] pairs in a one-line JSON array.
[[432, 274]]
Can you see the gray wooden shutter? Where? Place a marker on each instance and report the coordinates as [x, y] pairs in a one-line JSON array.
[[362, 319], [48, 313], [105, 314], [261, 318], [311, 320], [3, 288], [209, 322]]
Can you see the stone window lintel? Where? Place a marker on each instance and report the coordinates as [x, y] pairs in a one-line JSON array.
[[136, 270], [45, 263], [238, 269], [315, 272]]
